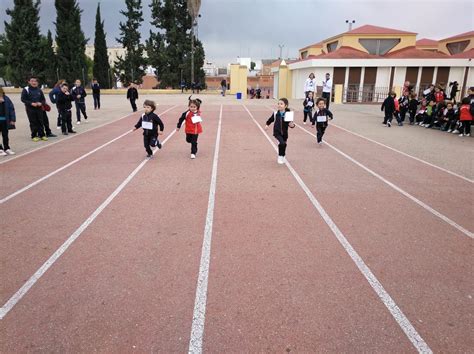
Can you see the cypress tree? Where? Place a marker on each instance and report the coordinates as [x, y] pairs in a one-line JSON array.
[[23, 41], [132, 67], [70, 41], [48, 60], [169, 50], [101, 59]]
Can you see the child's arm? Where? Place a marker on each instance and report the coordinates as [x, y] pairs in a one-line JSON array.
[[329, 114], [160, 124], [383, 105], [138, 125], [181, 120], [270, 121]]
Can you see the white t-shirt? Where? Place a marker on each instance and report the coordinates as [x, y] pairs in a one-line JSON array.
[[310, 85], [327, 85]]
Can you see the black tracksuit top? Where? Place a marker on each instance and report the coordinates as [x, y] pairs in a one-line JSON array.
[[151, 117], [63, 101], [280, 127]]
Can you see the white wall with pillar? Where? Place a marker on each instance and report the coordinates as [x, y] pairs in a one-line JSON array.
[[399, 76], [383, 77]]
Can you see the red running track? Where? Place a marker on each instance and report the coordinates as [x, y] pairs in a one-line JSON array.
[[278, 281]]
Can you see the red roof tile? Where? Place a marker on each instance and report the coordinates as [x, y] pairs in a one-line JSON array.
[[426, 42], [468, 54], [465, 34], [414, 53], [369, 29]]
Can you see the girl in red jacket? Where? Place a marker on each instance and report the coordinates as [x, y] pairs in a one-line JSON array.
[[465, 117], [193, 124]]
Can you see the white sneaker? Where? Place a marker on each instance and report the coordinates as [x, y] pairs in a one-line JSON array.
[[461, 134], [320, 142], [193, 156], [78, 122], [58, 128], [10, 152], [449, 131], [281, 160], [304, 123], [455, 131], [3, 153], [464, 135]]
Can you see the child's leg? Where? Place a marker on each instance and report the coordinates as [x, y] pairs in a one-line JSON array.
[[281, 145], [320, 131], [192, 139], [78, 111], [147, 143], [64, 128], [412, 117], [306, 115]]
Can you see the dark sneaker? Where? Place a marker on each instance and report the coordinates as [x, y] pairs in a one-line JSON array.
[[51, 135], [72, 131]]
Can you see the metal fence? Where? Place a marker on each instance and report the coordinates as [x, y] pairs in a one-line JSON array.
[[365, 94]]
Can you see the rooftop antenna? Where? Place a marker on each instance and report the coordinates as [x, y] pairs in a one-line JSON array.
[[281, 50], [351, 22]]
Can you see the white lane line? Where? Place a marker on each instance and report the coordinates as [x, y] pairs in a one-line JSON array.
[[58, 253], [405, 154], [70, 137], [31, 185], [383, 295], [401, 153], [199, 314], [398, 189]]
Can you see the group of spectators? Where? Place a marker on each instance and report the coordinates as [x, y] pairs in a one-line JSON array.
[[435, 109]]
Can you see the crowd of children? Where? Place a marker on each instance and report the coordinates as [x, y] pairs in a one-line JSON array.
[[434, 110]]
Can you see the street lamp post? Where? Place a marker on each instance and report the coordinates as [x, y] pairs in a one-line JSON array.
[[193, 9], [351, 22], [281, 50]]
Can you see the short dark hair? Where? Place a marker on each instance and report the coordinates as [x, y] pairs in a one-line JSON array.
[[150, 103], [466, 100], [33, 77], [319, 100]]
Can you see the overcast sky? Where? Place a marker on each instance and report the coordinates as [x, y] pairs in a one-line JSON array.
[[255, 28]]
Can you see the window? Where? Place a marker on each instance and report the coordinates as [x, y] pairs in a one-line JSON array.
[[304, 54], [332, 46], [457, 47], [379, 46]]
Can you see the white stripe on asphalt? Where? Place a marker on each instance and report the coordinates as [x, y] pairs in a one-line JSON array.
[[387, 300], [398, 189], [199, 314], [31, 185], [405, 154], [39, 273]]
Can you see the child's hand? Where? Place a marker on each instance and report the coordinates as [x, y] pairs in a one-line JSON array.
[[292, 125], [266, 127], [177, 129]]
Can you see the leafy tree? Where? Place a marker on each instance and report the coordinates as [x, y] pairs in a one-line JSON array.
[[101, 66], [131, 68], [70, 40], [22, 42], [169, 50]]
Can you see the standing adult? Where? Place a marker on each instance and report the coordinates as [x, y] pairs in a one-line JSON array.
[[327, 89], [454, 91], [96, 93], [310, 85], [79, 93], [7, 118], [223, 86], [33, 98], [132, 95], [53, 97], [182, 85]]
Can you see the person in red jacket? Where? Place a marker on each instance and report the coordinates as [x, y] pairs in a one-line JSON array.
[[465, 117], [193, 127]]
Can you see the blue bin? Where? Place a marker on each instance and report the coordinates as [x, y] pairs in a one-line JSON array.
[[239, 95]]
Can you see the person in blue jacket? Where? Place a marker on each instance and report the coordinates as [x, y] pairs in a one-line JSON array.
[[53, 97], [7, 118]]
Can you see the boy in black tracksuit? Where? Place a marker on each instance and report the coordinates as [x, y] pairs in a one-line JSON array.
[[64, 105], [389, 107], [79, 94], [412, 107], [96, 93], [320, 118], [280, 128], [308, 105], [403, 102], [150, 122], [132, 95]]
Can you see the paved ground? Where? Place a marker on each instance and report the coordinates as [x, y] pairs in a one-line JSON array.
[[362, 244]]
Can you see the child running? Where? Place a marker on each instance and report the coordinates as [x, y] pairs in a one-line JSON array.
[[389, 107], [308, 105], [193, 125], [280, 128], [320, 118], [149, 121]]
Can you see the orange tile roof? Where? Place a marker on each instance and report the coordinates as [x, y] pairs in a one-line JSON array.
[[369, 29], [462, 35], [468, 54], [426, 42], [414, 53]]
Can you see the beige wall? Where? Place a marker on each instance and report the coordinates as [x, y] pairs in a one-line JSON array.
[[442, 44], [407, 40]]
